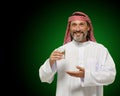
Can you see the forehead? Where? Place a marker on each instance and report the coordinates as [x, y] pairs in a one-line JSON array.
[[78, 21]]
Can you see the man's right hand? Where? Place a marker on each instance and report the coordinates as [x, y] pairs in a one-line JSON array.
[[55, 55]]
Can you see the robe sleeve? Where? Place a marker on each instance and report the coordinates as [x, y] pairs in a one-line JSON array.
[[101, 73], [46, 73]]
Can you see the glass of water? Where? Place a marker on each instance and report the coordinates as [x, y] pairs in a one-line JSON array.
[[62, 50]]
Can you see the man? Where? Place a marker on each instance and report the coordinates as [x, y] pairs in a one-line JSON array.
[[86, 66]]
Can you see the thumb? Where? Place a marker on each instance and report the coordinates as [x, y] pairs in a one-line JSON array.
[[80, 68]]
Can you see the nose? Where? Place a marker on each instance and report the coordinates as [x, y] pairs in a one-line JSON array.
[[77, 28]]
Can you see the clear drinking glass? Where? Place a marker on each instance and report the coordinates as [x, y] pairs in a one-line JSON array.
[[62, 50]]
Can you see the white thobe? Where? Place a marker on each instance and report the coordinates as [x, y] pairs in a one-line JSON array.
[[99, 70]]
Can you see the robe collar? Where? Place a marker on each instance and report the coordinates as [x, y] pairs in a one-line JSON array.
[[81, 44]]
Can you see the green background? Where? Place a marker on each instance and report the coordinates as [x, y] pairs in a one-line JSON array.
[[41, 28]]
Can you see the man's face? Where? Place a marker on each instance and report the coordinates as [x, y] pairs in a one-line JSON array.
[[79, 30]]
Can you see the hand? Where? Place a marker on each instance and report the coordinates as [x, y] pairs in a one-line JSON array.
[[79, 73], [55, 55]]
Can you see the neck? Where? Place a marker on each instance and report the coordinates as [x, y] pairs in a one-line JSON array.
[[84, 40], [81, 43]]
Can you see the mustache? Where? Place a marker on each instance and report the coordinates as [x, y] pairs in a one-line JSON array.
[[78, 32]]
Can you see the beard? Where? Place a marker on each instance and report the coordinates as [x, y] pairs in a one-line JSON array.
[[79, 38]]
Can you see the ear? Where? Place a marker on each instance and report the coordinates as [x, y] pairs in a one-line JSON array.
[[88, 29]]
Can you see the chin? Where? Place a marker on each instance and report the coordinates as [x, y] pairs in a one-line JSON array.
[[78, 40]]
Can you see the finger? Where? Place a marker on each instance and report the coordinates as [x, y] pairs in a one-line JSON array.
[[57, 54], [73, 73], [80, 68], [56, 57]]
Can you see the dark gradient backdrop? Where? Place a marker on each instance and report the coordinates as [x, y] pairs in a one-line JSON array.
[[40, 27]]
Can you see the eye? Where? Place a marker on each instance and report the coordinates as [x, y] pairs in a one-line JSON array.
[[81, 24], [74, 24]]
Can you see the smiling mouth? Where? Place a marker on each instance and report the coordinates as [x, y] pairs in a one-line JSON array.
[[78, 32]]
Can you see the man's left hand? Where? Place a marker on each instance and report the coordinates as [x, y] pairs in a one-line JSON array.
[[79, 73]]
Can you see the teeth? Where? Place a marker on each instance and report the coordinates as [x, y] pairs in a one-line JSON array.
[[81, 32]]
